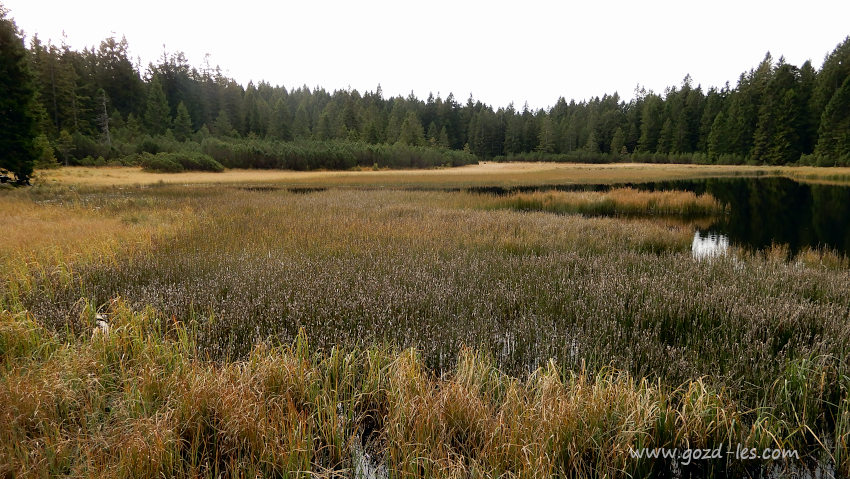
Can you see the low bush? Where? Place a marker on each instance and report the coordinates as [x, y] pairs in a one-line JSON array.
[[331, 155], [177, 162]]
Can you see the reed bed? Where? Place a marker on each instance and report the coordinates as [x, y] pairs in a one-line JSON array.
[[615, 202], [448, 340], [482, 174], [142, 401]]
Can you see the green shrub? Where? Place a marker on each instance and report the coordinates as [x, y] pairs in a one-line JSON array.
[[177, 162], [331, 155], [580, 156], [160, 163]]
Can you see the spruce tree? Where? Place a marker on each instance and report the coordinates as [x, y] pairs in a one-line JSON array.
[[835, 69], [665, 140], [301, 128], [718, 139], [412, 132], [157, 113], [279, 127], [546, 136], [785, 145], [182, 123], [324, 129], [443, 140], [618, 142], [433, 134], [651, 124], [223, 126], [808, 121], [17, 102], [371, 133], [833, 146], [513, 133], [592, 146]]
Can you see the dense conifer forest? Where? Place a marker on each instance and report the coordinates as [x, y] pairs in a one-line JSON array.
[[98, 106]]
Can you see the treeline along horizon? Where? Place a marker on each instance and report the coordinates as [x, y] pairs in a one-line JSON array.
[[97, 105]]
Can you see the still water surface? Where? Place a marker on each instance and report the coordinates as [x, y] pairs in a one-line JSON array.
[[763, 211], [768, 211]]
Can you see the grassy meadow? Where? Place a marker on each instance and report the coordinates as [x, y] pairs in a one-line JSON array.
[[263, 328]]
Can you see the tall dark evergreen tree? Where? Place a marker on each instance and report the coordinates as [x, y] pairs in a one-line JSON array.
[[652, 122], [115, 74], [411, 131], [182, 123], [785, 144], [17, 102], [833, 146], [618, 142], [280, 126], [157, 112]]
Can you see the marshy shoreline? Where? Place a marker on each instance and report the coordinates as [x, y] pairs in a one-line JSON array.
[[450, 333]]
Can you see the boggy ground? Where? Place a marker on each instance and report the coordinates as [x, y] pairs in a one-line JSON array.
[[264, 332], [484, 173]]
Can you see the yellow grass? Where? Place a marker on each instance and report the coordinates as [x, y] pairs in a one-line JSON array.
[[489, 173], [618, 201], [54, 231]]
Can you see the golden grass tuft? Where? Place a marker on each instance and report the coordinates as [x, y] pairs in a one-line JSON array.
[[139, 402], [616, 202]]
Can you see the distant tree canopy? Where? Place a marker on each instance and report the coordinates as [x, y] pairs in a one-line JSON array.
[[18, 108], [777, 113]]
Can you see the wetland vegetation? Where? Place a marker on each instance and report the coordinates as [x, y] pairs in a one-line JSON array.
[[447, 332]]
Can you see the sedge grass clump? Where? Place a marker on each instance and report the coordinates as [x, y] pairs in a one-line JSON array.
[[138, 402], [616, 202]]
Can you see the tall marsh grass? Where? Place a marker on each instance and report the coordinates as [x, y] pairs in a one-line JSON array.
[[449, 340], [143, 402], [615, 202]]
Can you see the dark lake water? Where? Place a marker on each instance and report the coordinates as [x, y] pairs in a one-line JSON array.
[[762, 211], [766, 211]]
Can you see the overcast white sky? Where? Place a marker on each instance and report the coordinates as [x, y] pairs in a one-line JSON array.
[[500, 52]]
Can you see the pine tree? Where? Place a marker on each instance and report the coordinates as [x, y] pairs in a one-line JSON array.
[[182, 123], [157, 112], [17, 123]]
